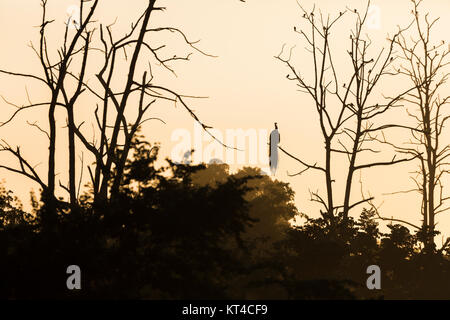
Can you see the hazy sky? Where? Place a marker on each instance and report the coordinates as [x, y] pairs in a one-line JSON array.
[[245, 85]]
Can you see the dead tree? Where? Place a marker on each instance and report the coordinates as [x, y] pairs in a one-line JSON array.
[[347, 119], [425, 63], [112, 151], [111, 115], [55, 75]]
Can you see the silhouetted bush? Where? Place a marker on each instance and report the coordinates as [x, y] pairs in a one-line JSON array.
[[200, 231]]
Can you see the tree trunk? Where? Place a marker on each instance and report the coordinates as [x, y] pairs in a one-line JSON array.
[[72, 170], [328, 179]]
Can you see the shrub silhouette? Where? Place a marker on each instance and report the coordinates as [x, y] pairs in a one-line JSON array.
[[202, 232]]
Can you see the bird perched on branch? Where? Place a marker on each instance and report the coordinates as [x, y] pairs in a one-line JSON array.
[[273, 149]]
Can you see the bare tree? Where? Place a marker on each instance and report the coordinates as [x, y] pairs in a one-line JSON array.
[[114, 147], [425, 65], [347, 118], [55, 74], [67, 84]]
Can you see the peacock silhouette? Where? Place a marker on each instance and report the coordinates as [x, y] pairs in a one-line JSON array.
[[273, 149]]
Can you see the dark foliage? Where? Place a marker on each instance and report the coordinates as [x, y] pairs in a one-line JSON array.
[[199, 231]]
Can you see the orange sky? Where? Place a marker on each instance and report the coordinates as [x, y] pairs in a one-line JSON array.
[[245, 85]]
